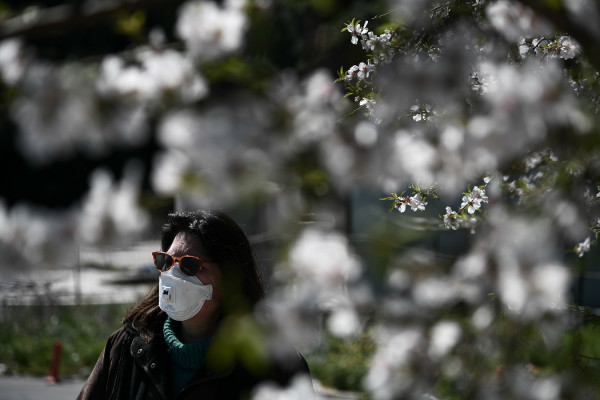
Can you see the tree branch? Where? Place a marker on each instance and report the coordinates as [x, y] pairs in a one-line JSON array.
[[67, 17], [563, 21]]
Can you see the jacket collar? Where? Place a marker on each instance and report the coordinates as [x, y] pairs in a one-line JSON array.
[[151, 354]]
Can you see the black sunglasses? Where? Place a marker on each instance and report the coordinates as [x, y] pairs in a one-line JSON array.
[[190, 265]]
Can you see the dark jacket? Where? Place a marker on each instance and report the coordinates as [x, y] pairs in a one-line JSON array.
[[131, 367]]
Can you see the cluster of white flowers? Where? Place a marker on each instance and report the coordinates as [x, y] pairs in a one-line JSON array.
[[451, 219], [33, 236], [59, 113], [322, 267], [111, 209], [360, 71], [415, 202], [357, 31], [380, 46], [335, 263], [207, 156], [567, 48], [531, 281], [421, 112], [155, 75], [513, 259], [519, 24], [564, 47], [515, 20], [210, 30], [390, 375], [516, 108], [60, 109], [315, 104], [13, 59], [378, 43], [472, 201], [369, 104]]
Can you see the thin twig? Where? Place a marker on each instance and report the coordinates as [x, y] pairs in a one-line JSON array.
[[588, 357], [350, 113], [383, 15]]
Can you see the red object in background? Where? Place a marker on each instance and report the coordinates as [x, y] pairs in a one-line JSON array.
[[55, 366]]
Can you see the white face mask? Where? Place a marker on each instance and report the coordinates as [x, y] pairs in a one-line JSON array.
[[181, 296]]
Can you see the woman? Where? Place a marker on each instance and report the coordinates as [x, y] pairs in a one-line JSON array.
[[173, 343]]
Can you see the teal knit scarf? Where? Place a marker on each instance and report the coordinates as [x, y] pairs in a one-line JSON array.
[[186, 359]]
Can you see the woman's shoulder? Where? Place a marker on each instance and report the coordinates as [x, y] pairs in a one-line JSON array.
[[120, 337]]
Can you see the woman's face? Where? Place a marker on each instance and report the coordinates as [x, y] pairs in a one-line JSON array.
[[186, 244]]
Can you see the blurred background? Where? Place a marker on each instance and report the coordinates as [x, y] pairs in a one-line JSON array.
[[115, 113], [111, 118]]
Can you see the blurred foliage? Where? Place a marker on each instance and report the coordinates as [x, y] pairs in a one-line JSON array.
[[341, 363], [28, 334], [533, 351], [239, 340], [131, 24]]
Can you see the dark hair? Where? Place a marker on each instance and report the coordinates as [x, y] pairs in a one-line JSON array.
[[226, 244]]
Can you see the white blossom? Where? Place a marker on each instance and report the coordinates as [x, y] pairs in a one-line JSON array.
[[478, 194], [343, 322], [451, 219], [300, 388], [366, 134], [203, 151], [369, 104], [322, 266], [159, 74], [13, 61], [209, 30], [351, 73], [377, 42], [111, 210], [357, 31], [444, 336], [58, 115], [583, 247], [34, 236], [469, 202], [315, 104], [416, 203], [401, 203], [567, 48], [523, 48], [514, 20], [335, 263], [364, 70], [388, 375]]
